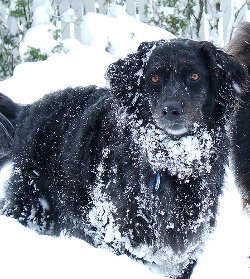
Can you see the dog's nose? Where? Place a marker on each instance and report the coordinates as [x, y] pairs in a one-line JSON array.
[[172, 110]]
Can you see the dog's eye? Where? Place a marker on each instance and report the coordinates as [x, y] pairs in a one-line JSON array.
[[155, 79], [194, 76]]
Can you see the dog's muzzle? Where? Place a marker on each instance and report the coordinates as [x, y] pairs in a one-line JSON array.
[[174, 117]]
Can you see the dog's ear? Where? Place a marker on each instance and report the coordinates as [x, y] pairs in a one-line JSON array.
[[228, 77], [239, 46], [124, 76]]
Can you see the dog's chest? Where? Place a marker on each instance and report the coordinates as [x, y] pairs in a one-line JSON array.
[[189, 156]]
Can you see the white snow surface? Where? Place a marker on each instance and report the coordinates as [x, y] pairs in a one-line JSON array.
[[26, 255]]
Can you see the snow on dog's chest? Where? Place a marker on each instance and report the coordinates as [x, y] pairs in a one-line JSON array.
[[184, 157]]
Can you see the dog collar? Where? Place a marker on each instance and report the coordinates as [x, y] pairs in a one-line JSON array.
[[157, 180]]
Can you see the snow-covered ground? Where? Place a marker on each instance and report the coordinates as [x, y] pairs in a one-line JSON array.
[[26, 255]]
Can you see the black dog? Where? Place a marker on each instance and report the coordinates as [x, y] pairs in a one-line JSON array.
[[137, 168]]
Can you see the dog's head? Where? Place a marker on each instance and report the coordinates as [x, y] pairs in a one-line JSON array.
[[179, 84]]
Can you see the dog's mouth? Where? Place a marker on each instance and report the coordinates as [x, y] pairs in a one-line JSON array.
[[175, 129]]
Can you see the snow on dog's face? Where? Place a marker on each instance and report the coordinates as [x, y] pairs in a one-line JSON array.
[[178, 84]]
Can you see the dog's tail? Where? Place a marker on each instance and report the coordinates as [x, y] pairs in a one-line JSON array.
[[8, 117], [239, 46]]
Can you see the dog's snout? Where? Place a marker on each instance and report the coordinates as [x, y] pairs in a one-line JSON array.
[[172, 109]]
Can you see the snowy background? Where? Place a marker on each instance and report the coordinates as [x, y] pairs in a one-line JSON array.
[[23, 253]]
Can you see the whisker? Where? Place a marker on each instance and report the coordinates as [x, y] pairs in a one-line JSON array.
[[7, 120], [5, 129]]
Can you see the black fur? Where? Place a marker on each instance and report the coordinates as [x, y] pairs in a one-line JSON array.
[[8, 114], [82, 167]]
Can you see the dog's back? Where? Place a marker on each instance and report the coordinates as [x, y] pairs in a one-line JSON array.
[[239, 47]]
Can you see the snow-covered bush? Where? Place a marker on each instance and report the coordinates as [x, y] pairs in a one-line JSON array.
[[197, 19], [172, 15], [15, 20]]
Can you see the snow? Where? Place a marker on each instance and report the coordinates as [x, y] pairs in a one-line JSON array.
[[117, 32], [79, 67], [187, 156], [40, 37], [227, 251], [27, 255]]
